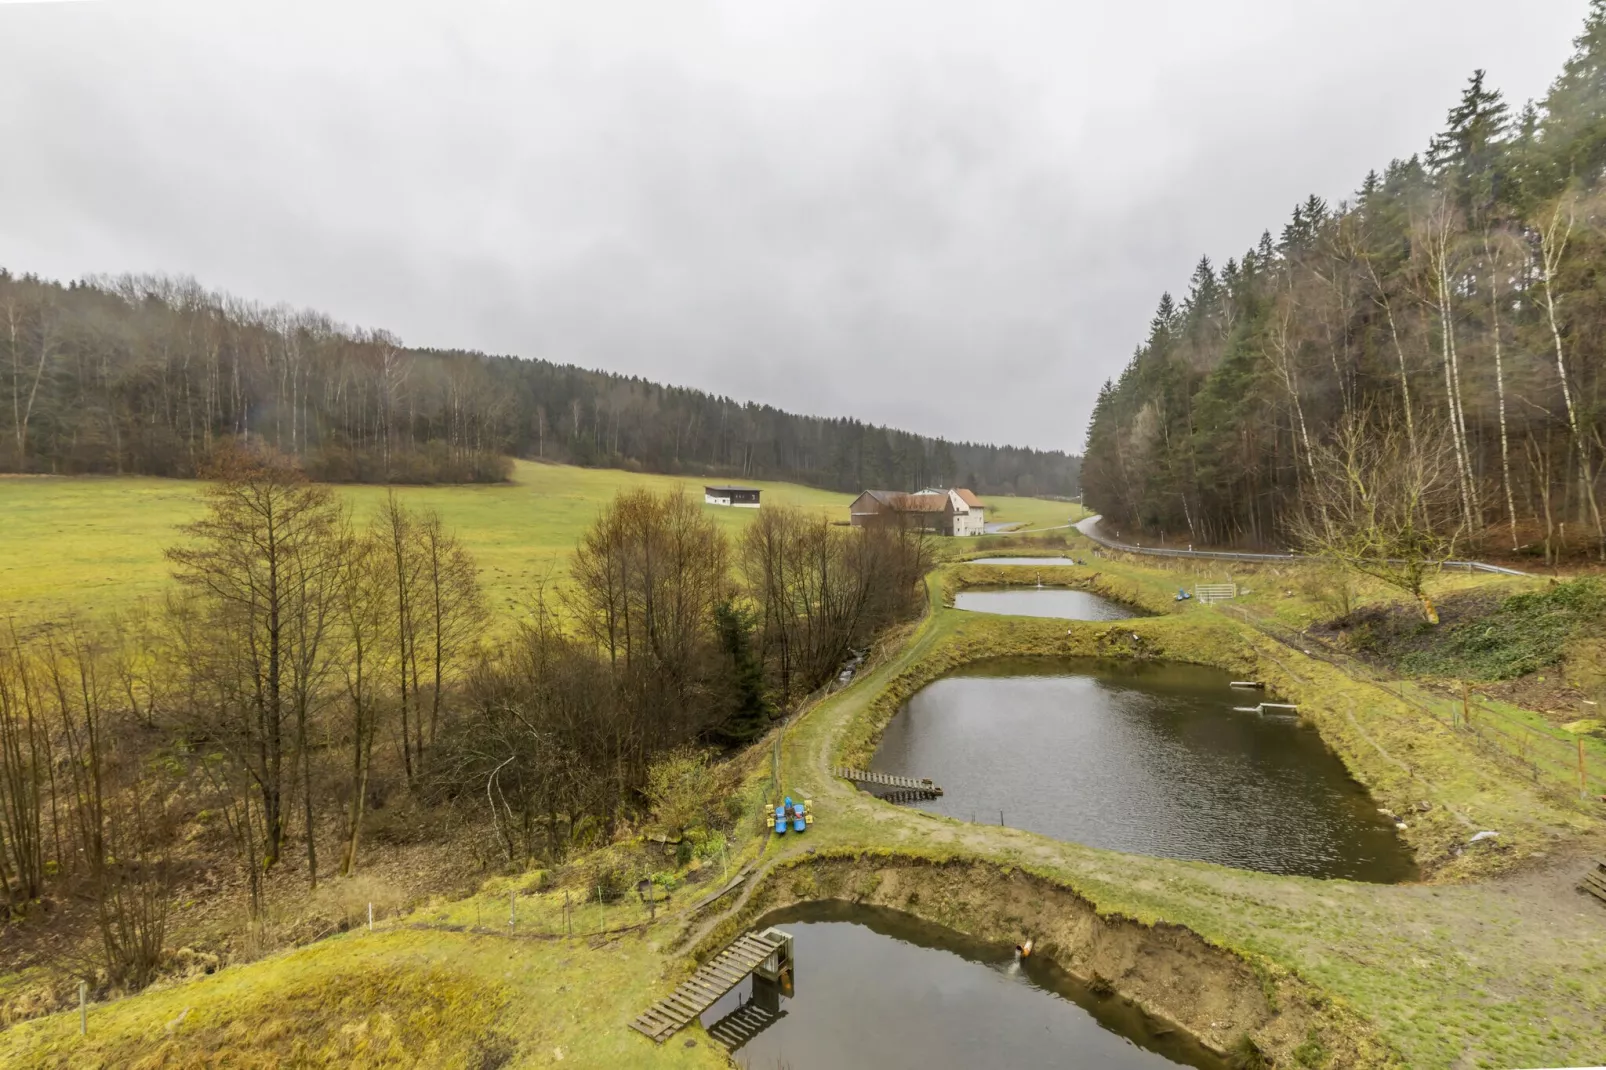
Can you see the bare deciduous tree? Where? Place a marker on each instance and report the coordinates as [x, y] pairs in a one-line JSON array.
[[262, 567], [1380, 507]]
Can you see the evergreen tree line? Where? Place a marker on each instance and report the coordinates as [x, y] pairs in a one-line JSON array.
[[142, 375], [304, 671], [1456, 296]]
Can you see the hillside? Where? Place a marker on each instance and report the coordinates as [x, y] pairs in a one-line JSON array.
[[139, 376], [96, 543], [1455, 295], [1459, 970]]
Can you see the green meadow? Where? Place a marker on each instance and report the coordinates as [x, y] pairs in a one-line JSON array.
[[94, 544]]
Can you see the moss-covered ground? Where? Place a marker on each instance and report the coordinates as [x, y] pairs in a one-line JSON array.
[[1494, 959]]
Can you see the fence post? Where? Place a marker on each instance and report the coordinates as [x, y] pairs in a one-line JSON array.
[[370, 917], [568, 916], [1583, 781], [1466, 704], [512, 908], [83, 1008]]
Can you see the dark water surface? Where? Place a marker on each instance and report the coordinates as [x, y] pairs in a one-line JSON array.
[[1141, 757], [1042, 602], [885, 991]]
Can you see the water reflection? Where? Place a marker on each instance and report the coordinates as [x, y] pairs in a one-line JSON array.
[[1042, 602], [876, 988], [1141, 757]]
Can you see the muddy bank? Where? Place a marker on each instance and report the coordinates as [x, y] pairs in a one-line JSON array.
[[1216, 997], [958, 577]]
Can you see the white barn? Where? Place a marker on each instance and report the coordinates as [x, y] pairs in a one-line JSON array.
[[735, 497]]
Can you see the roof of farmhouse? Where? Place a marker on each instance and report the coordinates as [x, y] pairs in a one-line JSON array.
[[910, 503], [749, 490]]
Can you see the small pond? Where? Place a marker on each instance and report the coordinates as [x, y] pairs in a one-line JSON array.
[[876, 988], [1053, 561], [1058, 602], [1144, 757]]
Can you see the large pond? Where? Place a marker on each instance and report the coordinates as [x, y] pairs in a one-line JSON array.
[[1042, 602], [875, 988], [1144, 757], [1051, 561]]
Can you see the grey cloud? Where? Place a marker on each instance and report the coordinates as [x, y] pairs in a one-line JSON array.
[[951, 217]]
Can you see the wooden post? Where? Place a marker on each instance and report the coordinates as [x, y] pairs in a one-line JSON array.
[[652, 901], [83, 1008], [1583, 781], [568, 916], [1466, 704], [512, 908], [370, 917]]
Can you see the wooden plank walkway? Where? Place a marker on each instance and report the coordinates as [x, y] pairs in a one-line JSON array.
[[887, 780], [702, 989], [1595, 881]]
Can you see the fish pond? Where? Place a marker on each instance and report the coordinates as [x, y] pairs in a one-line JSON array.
[[877, 988], [1039, 561], [1143, 757], [1060, 602]]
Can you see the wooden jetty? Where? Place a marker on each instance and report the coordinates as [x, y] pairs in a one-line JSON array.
[[1269, 707], [1595, 881], [766, 953], [860, 777]]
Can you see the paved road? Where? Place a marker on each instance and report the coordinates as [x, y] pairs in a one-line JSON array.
[[1089, 527]]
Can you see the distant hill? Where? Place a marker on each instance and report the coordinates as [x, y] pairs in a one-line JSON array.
[[141, 375]]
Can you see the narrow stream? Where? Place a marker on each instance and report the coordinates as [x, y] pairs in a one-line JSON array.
[[876, 988], [1058, 602], [1149, 758]]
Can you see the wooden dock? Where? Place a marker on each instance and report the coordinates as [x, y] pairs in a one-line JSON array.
[[1269, 707], [1595, 881], [886, 780], [717, 976]]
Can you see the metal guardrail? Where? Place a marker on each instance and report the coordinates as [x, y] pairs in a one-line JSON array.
[[1089, 527]]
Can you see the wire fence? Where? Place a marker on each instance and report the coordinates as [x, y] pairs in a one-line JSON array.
[[1564, 764]]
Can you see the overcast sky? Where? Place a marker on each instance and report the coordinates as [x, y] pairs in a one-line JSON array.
[[951, 217]]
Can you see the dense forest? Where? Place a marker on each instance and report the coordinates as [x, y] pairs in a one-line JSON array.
[[1458, 296], [143, 375]]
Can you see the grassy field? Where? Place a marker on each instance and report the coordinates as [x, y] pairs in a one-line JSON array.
[[94, 544], [1495, 961]]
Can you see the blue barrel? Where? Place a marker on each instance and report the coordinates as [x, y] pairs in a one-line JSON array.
[[780, 819], [798, 824]]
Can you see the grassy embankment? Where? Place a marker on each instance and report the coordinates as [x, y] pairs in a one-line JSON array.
[[1495, 961], [89, 544]]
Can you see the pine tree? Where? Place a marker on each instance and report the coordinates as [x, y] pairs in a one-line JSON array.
[[750, 712], [1575, 109], [1468, 154]]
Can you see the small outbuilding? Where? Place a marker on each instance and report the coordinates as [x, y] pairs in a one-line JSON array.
[[736, 497]]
